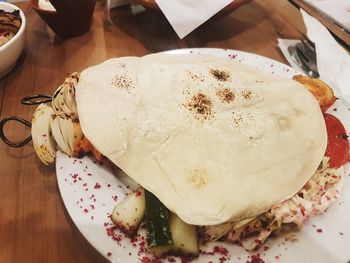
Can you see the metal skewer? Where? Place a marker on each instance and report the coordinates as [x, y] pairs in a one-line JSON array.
[[29, 100], [36, 99]]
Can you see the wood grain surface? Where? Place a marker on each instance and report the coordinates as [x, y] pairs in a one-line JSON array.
[[34, 224]]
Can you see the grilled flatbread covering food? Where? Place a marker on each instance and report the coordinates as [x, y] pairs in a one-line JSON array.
[[213, 139]]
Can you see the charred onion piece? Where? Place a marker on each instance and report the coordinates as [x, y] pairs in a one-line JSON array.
[[322, 92], [44, 144], [128, 214]]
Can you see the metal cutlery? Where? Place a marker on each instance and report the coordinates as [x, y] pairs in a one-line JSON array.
[[303, 54], [30, 100]]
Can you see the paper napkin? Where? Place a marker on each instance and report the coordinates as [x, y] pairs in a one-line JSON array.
[[186, 15], [333, 61], [183, 15], [283, 44]]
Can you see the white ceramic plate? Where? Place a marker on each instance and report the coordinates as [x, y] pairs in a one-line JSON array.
[[90, 192]]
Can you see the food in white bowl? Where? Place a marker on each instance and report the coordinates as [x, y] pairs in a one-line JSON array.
[[10, 23], [12, 36], [228, 152]]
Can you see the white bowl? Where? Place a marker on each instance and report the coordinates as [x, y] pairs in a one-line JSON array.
[[10, 51]]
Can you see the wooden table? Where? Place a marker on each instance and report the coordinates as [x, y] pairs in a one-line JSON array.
[[34, 224]]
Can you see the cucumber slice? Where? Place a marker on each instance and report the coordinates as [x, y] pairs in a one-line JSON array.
[[185, 237], [157, 219], [128, 214]]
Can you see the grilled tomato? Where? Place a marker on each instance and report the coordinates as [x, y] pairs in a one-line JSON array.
[[338, 144]]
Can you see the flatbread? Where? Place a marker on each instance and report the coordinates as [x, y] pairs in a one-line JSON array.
[[213, 139]]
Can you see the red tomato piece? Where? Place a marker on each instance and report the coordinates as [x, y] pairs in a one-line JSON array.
[[338, 144]]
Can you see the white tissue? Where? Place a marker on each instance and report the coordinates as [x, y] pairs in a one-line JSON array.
[[333, 61], [186, 15], [46, 5], [283, 44]]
